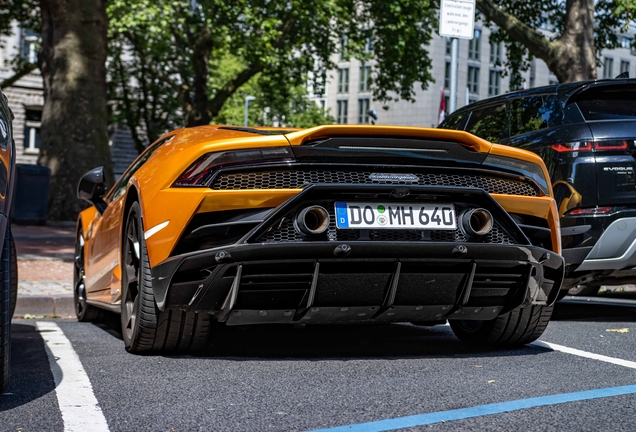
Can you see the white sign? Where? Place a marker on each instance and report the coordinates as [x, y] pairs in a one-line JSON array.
[[457, 18]]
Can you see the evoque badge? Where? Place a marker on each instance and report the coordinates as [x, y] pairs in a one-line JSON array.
[[393, 177]]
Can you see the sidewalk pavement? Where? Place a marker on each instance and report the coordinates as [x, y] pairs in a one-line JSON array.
[[45, 269]]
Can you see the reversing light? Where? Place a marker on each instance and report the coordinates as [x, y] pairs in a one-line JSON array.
[[590, 211], [202, 170]]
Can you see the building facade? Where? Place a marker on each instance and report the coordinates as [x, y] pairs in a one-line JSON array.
[[348, 96]]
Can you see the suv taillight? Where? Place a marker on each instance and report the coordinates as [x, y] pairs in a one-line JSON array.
[[591, 146]]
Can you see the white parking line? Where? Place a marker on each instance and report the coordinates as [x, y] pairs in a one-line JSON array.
[[79, 407], [573, 351]]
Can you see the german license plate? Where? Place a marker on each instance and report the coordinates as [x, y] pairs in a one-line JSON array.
[[395, 216]]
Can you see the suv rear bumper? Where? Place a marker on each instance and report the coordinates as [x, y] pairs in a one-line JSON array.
[[615, 249]]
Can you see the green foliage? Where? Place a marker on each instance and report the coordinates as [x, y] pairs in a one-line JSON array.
[[200, 58], [611, 19]]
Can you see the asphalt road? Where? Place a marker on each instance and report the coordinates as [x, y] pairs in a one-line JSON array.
[[288, 379]]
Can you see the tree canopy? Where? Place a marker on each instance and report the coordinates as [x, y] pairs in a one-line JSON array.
[[568, 35], [192, 57]]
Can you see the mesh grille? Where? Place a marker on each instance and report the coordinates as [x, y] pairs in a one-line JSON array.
[[294, 179], [284, 232]]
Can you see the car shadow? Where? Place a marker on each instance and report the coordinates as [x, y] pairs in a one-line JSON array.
[[31, 376], [614, 308], [377, 341], [333, 341]]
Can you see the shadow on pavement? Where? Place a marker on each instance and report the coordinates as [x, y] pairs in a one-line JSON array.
[[349, 342], [31, 376], [334, 341], [606, 308], [382, 341]]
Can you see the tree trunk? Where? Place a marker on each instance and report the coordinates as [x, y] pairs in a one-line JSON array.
[[74, 119], [572, 57]]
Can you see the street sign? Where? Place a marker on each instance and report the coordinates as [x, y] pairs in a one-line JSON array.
[[457, 18]]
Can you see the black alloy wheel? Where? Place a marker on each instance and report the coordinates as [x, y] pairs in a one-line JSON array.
[[84, 311]]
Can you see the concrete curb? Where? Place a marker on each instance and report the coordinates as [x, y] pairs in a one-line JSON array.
[[47, 306]]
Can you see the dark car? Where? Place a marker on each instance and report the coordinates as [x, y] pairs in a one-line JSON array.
[[586, 134], [8, 263]]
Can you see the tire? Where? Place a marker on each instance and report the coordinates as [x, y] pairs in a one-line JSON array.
[[83, 311], [517, 327], [14, 276], [145, 328], [584, 290], [5, 311]]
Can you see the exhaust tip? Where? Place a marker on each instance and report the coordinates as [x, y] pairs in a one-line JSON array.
[[476, 222], [313, 220]]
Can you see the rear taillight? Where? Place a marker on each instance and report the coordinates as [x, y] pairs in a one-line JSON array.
[[573, 147], [591, 146], [610, 145], [591, 211], [202, 170]]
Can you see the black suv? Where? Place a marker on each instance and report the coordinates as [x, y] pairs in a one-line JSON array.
[[586, 134]]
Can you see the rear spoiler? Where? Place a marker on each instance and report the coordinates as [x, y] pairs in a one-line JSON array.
[[462, 138]]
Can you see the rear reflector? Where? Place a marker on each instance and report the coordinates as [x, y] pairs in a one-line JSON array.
[[591, 211]]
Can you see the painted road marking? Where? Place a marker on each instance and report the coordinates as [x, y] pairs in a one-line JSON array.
[[502, 407], [79, 407], [573, 351], [481, 410]]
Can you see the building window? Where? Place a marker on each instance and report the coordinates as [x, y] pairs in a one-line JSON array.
[[342, 111], [368, 46], [495, 52], [33, 119], [473, 79], [494, 81], [608, 68], [448, 46], [343, 55], [363, 109], [624, 66], [626, 42], [30, 46], [365, 75], [447, 75], [474, 46], [343, 80]]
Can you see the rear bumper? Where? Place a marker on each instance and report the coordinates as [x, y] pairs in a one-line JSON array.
[[315, 282], [615, 249]]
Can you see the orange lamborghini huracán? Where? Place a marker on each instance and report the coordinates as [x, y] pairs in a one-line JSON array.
[[333, 224]]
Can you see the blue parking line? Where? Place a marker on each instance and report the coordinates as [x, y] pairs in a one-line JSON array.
[[481, 410]]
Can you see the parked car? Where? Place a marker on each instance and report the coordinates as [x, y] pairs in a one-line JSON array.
[[585, 132], [333, 224], [8, 262]]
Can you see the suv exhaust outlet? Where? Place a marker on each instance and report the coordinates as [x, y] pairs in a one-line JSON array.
[[476, 222], [312, 221]]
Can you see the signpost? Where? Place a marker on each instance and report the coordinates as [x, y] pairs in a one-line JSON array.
[[457, 21]]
